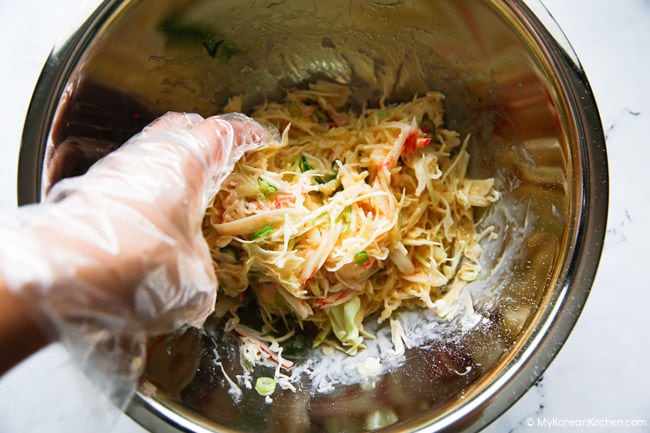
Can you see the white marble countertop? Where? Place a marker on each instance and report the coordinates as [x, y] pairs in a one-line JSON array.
[[599, 379]]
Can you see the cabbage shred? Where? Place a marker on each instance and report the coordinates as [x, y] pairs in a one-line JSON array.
[[347, 216]]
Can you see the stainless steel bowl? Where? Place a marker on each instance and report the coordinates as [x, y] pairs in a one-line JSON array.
[[511, 81]]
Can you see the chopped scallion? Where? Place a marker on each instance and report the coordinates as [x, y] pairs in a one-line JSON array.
[[267, 229], [382, 114], [295, 109], [427, 126], [361, 257], [321, 181], [321, 116], [303, 165], [316, 220], [265, 385], [266, 187], [379, 115], [346, 217], [299, 344]]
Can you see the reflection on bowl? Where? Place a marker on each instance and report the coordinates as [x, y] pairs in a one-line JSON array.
[[509, 83]]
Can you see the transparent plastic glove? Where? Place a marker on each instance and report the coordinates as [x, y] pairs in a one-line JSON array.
[[117, 254]]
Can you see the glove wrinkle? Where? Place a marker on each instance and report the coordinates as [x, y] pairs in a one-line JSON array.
[[117, 255]]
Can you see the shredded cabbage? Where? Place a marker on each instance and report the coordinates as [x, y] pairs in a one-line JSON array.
[[347, 216]]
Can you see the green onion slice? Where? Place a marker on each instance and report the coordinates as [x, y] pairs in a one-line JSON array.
[[265, 385], [299, 344], [361, 257], [427, 126], [379, 115], [267, 229], [266, 187], [303, 165], [295, 109], [345, 218], [321, 116]]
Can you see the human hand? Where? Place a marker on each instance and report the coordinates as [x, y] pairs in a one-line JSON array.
[[117, 254]]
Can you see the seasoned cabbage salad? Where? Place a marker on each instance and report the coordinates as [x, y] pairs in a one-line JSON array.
[[348, 218]]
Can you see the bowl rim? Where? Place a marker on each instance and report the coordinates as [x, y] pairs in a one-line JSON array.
[[530, 362]]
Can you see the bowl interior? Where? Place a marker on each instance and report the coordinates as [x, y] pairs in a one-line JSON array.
[[505, 86]]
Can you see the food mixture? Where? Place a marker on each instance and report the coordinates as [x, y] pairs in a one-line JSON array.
[[349, 217]]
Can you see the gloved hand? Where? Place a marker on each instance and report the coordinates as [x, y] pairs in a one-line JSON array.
[[117, 254]]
